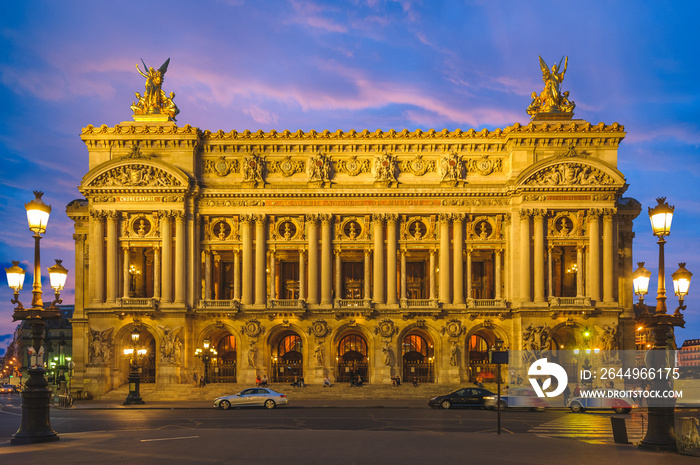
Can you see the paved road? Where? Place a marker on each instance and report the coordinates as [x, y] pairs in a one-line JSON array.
[[313, 435]]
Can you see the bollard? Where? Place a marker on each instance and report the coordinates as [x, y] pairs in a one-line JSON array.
[[619, 428], [688, 439]]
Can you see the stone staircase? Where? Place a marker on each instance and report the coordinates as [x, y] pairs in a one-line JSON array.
[[341, 391]]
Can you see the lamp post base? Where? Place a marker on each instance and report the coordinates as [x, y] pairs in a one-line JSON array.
[[660, 433], [134, 397], [35, 425]]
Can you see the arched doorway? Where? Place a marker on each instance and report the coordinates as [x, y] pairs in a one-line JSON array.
[[417, 355], [287, 359], [480, 370], [562, 346], [147, 363], [225, 368], [352, 358]]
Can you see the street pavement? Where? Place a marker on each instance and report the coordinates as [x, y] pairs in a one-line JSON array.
[[294, 441]]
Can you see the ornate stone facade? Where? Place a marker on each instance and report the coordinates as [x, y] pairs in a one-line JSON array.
[[381, 253]]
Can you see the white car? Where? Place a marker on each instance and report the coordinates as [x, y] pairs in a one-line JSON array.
[[252, 397], [518, 398]]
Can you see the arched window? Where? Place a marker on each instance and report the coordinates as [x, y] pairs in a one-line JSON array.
[[352, 344], [478, 344], [227, 348], [291, 343], [415, 343]]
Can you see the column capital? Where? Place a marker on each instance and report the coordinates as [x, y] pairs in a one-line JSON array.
[[608, 213], [525, 213], [445, 217], [378, 218], [337, 252], [594, 214], [391, 218], [246, 218], [260, 218], [458, 217], [112, 215], [325, 218], [368, 252], [98, 214], [79, 237], [539, 213], [312, 218]]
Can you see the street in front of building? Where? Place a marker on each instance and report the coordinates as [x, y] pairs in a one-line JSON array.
[[401, 432]]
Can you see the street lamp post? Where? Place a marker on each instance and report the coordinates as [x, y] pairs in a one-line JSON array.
[[135, 354], [207, 354], [660, 433], [35, 425]]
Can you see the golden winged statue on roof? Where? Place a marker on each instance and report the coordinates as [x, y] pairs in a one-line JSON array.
[[551, 99], [154, 101]]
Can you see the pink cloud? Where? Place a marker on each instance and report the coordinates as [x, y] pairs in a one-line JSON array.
[[260, 115]]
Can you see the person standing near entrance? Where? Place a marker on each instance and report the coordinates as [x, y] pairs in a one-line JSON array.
[[195, 379], [567, 394]]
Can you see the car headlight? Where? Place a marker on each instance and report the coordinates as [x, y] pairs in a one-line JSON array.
[[489, 398]]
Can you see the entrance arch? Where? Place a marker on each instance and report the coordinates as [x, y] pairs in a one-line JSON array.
[[478, 345], [225, 369], [353, 358], [287, 358], [417, 354], [147, 364]]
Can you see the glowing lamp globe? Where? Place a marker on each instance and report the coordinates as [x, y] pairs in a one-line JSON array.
[[640, 279], [681, 281], [37, 213], [15, 276], [661, 217], [57, 275]]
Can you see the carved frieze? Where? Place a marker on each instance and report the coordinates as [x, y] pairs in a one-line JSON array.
[[567, 174], [287, 166], [418, 165], [352, 165], [135, 175], [485, 165], [221, 166]]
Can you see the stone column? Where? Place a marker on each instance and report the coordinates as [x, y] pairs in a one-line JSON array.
[[594, 251], [379, 296], [469, 273], [338, 273], [302, 274], [80, 267], [112, 258], [367, 281], [273, 285], [167, 265], [457, 258], [326, 260], [156, 272], [525, 256], [608, 254], [180, 243], [404, 294], [237, 275], [391, 245], [550, 284], [312, 223], [207, 275], [432, 274], [445, 258], [260, 255], [539, 256], [126, 263], [497, 258], [97, 264], [247, 271], [579, 272]]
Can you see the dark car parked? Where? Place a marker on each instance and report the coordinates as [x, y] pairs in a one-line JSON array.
[[465, 397]]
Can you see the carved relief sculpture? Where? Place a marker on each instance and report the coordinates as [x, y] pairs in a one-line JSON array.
[[451, 169], [318, 168], [564, 174], [385, 170], [100, 349], [253, 170], [135, 176]]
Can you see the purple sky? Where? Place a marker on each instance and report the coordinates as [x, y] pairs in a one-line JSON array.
[[346, 65]]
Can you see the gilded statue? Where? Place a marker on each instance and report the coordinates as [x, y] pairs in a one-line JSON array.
[[552, 99], [155, 101]]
